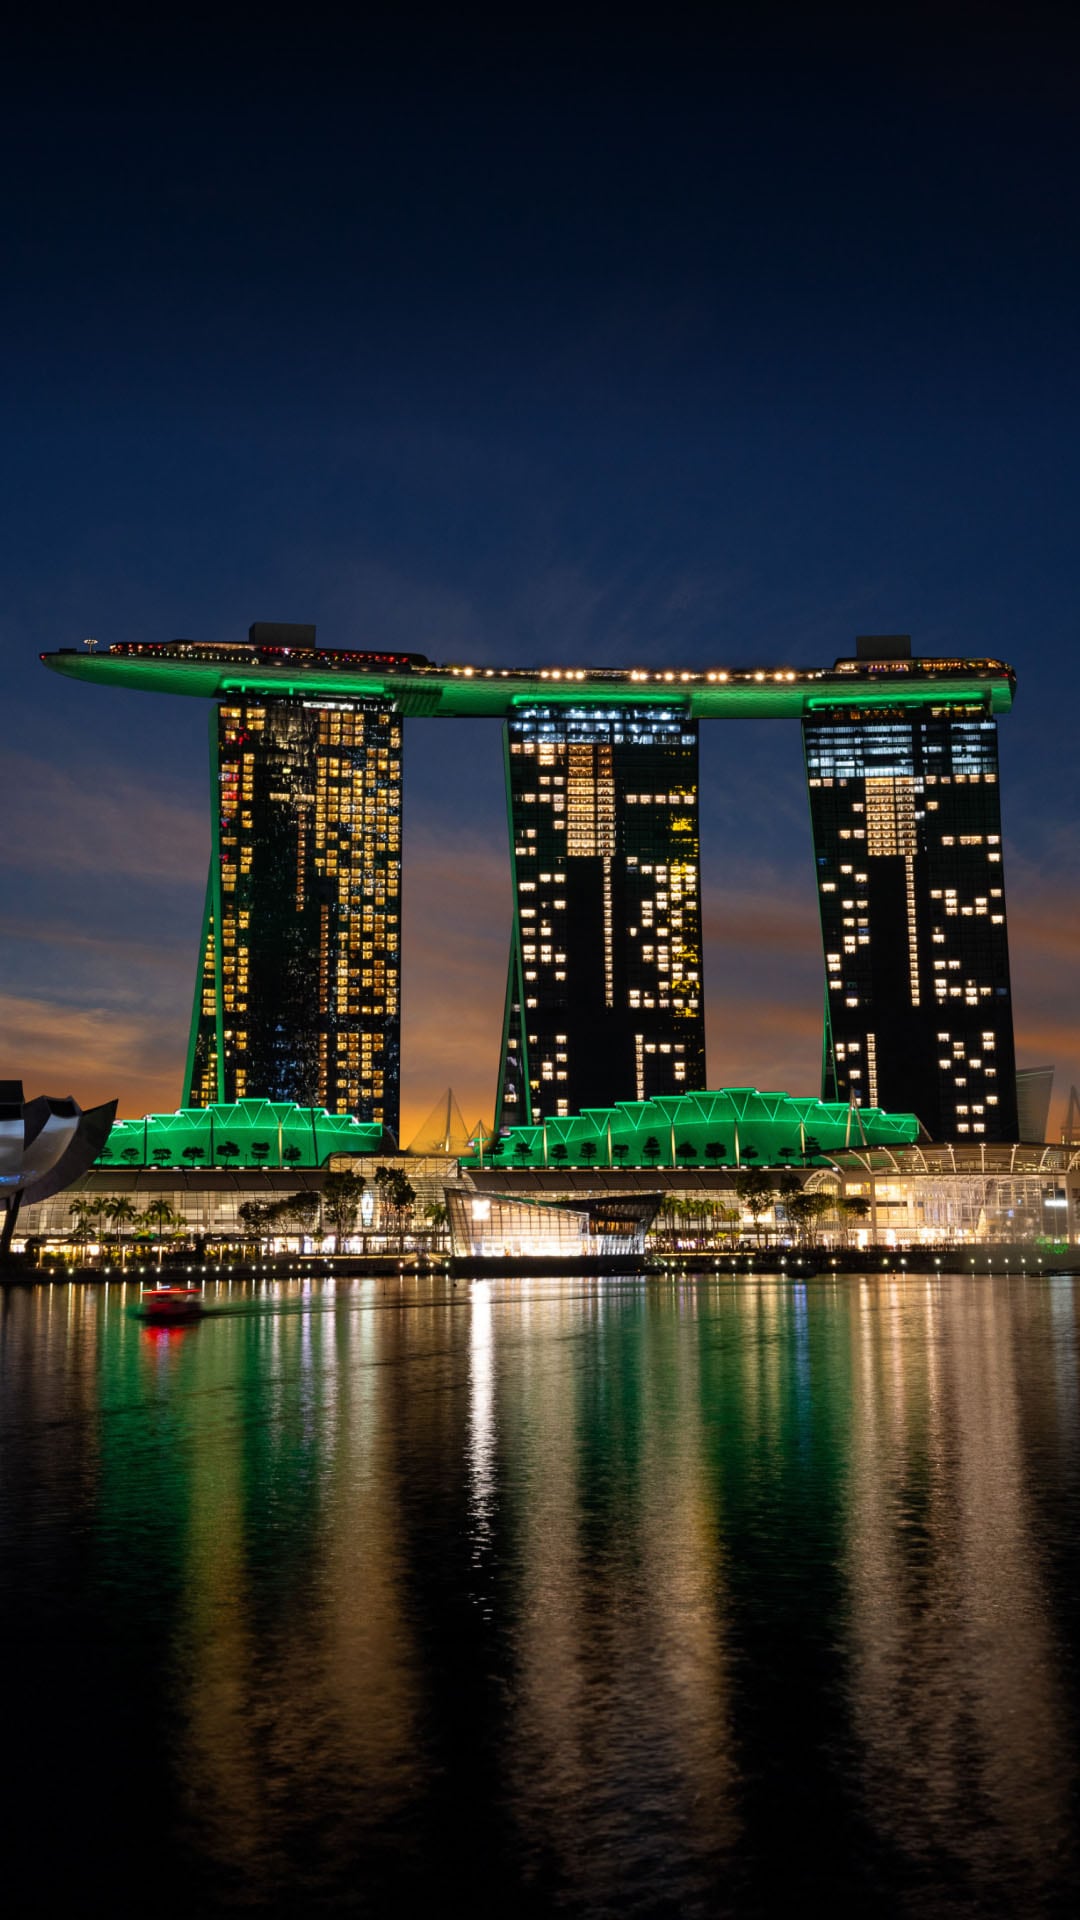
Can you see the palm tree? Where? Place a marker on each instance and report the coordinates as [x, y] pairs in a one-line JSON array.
[[397, 1195], [80, 1212], [730, 1218], [166, 1216], [121, 1213], [437, 1216]]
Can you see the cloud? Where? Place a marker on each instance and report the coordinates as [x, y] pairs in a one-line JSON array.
[[93, 1052], [94, 819]]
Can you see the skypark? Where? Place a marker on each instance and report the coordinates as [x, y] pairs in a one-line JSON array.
[[416, 688]]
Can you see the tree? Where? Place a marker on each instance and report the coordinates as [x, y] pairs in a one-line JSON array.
[[304, 1212], [588, 1152], [811, 1147], [522, 1152], [397, 1195], [496, 1146], [256, 1216], [560, 1154], [620, 1152], [120, 1213], [730, 1217], [227, 1150], [805, 1209], [260, 1152], [193, 1155], [161, 1157], [750, 1153], [715, 1151], [437, 1215], [131, 1156], [853, 1207], [164, 1215], [342, 1193], [686, 1152], [80, 1213], [754, 1189], [292, 1156], [651, 1149]]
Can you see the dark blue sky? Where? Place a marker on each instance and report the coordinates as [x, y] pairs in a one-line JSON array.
[[705, 345]]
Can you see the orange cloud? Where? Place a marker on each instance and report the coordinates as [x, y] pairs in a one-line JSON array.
[[95, 1053]]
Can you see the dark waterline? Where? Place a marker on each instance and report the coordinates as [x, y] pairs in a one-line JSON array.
[[639, 1597]]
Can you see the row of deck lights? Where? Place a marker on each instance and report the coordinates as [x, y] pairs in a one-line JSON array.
[[635, 674]]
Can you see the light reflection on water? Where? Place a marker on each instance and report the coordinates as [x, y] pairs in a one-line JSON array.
[[647, 1596]]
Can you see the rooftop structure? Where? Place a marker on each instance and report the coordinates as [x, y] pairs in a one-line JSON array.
[[418, 688], [731, 1127], [260, 1134]]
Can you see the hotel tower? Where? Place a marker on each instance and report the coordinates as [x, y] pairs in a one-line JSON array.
[[905, 812], [604, 994], [299, 986]]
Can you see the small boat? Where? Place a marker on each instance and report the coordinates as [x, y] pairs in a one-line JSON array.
[[164, 1303]]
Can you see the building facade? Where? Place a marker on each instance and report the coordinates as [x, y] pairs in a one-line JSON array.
[[906, 821], [604, 992], [299, 985]]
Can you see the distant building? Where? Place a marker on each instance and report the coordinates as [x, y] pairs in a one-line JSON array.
[[906, 818], [604, 996], [1034, 1086]]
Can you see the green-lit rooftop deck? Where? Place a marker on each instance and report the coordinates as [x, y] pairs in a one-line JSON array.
[[728, 1127], [462, 692]]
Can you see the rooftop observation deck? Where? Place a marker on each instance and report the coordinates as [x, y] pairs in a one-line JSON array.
[[422, 690]]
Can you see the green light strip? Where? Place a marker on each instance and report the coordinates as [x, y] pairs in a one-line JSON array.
[[447, 695]]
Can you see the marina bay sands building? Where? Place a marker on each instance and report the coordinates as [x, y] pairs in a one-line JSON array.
[[298, 987]]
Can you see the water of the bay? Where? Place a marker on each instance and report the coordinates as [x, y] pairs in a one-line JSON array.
[[645, 1597]]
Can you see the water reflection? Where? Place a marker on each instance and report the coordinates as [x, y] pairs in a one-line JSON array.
[[632, 1596]]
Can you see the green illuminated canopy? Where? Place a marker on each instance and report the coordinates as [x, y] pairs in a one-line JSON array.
[[733, 1127], [253, 1133], [450, 692]]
